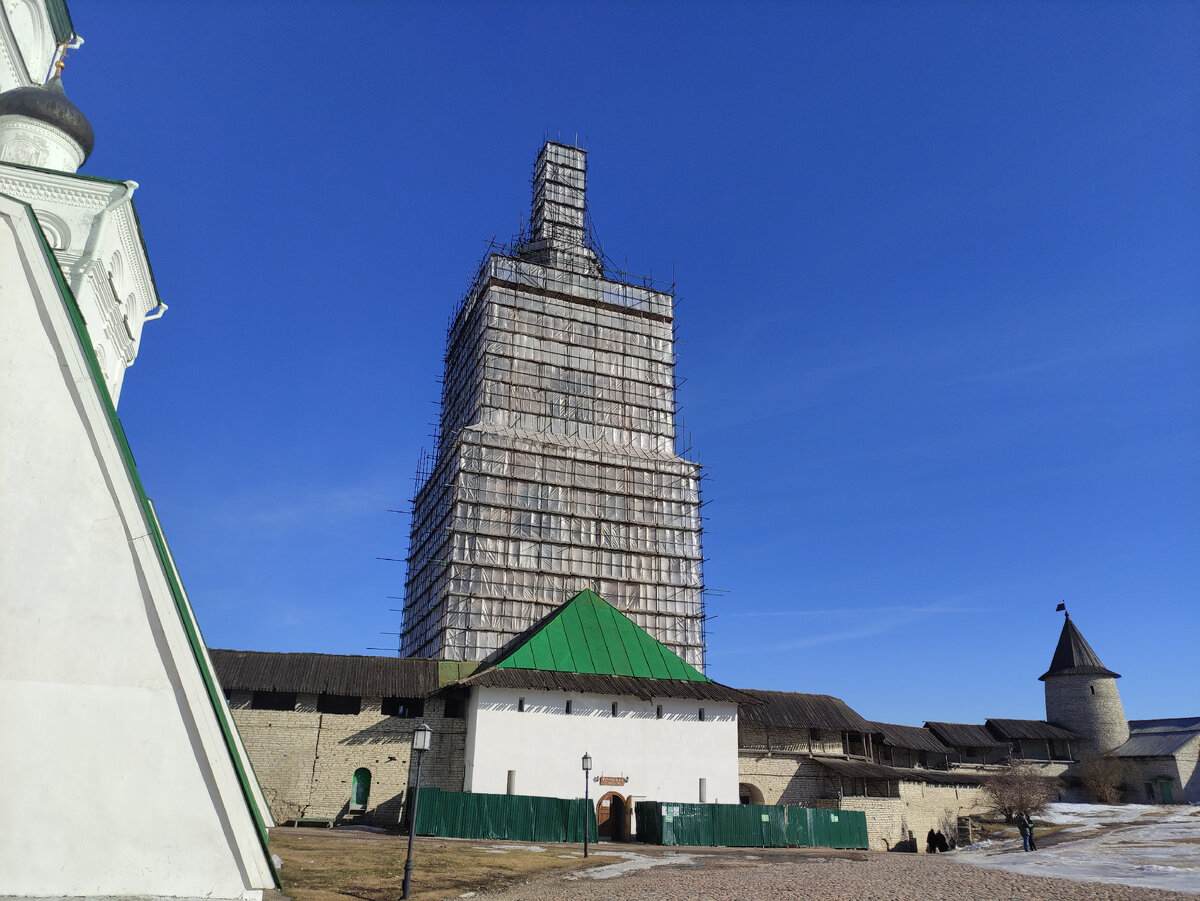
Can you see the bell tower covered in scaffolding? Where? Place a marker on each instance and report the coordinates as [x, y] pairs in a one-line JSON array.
[[555, 468]]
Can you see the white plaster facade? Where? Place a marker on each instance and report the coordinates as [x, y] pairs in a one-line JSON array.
[[93, 230], [662, 759], [120, 771], [112, 755], [27, 44]]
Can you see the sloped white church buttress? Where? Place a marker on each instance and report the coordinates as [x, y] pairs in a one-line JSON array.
[[121, 773]]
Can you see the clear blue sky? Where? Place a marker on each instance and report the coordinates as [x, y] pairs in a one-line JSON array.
[[938, 267]]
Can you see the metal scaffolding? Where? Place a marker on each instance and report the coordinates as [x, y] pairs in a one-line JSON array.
[[556, 465]]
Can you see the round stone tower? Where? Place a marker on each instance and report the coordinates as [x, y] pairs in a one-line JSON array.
[[1081, 694]]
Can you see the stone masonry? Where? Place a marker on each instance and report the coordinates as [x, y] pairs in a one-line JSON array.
[[305, 760]]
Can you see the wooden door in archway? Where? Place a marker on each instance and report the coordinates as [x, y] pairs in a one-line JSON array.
[[610, 815], [619, 818]]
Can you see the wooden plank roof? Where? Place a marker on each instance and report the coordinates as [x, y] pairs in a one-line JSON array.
[[1074, 656], [914, 737], [337, 674], [608, 685], [964, 735], [804, 711], [1017, 729], [861, 769], [1155, 744]]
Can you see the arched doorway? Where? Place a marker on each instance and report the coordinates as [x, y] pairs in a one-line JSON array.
[[749, 794], [612, 817], [360, 789]]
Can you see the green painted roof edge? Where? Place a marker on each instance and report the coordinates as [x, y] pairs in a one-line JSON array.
[[83, 176], [60, 20], [691, 674], [195, 641], [137, 219]]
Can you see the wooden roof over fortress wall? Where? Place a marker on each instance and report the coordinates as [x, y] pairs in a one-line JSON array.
[[336, 674]]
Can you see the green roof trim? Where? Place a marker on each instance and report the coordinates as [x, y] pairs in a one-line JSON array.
[[60, 20], [589, 635], [182, 607]]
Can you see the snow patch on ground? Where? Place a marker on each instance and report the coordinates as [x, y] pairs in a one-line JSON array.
[[631, 862], [1148, 846], [504, 849]]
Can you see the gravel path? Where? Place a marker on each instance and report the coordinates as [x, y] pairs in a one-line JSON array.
[[701, 875]]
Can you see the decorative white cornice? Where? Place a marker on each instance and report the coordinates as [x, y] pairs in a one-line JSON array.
[[36, 186], [137, 263], [43, 188]]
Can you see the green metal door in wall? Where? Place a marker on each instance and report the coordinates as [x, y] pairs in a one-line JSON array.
[[1164, 789], [360, 790]]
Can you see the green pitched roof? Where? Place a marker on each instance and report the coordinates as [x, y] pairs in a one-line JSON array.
[[589, 635]]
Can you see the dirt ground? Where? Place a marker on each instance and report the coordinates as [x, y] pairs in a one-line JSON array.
[[335, 865]]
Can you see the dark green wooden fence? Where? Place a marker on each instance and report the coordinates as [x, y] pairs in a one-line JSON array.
[[749, 826], [528, 818], [523, 818]]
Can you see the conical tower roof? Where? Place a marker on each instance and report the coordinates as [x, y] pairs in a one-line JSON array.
[[1075, 657]]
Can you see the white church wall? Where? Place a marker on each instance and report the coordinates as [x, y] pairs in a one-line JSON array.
[[91, 226], [112, 753], [27, 45], [661, 759]]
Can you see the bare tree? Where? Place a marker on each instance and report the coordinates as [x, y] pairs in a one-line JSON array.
[[1018, 787], [1103, 778]]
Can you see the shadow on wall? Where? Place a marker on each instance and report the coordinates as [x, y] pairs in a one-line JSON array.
[[390, 813], [385, 732], [602, 712]]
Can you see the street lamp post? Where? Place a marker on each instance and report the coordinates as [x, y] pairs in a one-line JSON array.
[[587, 819], [420, 745]]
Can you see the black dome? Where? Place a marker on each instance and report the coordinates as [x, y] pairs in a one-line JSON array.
[[49, 103]]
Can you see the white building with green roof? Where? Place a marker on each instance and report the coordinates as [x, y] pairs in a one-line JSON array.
[[587, 679]]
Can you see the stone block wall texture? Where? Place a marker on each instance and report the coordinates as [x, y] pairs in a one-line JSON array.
[[1189, 778], [1181, 769], [790, 779], [305, 760], [785, 778], [1090, 706]]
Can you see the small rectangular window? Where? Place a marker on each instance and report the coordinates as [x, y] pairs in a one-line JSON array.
[[406, 708], [615, 708], [520, 705], [343, 704], [658, 712], [702, 714], [456, 706], [568, 707], [273, 700]]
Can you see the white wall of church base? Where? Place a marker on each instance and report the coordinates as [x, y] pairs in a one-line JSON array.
[[114, 772]]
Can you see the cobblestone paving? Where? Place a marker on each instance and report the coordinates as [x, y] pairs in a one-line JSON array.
[[845, 876]]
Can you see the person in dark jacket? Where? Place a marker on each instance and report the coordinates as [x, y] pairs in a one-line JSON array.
[[942, 844], [931, 842], [1025, 827]]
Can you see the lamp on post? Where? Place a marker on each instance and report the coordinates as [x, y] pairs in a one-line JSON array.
[[420, 745], [587, 819]]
